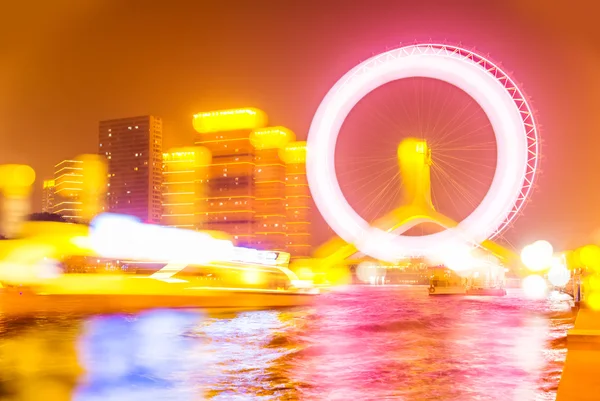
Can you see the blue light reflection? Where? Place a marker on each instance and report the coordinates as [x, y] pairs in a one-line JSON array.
[[136, 357]]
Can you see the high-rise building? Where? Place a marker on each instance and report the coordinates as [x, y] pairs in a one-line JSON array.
[[297, 200], [68, 187], [269, 187], [133, 150], [48, 196], [229, 203], [185, 172]]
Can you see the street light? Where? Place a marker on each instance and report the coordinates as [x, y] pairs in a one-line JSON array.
[[537, 256]]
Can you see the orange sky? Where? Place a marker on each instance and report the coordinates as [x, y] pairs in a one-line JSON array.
[[65, 65]]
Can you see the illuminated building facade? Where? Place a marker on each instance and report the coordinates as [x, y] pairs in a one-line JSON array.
[[229, 201], [133, 150], [68, 187], [297, 200], [269, 187], [47, 196], [185, 172]]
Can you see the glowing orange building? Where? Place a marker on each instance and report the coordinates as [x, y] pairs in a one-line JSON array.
[[269, 187], [133, 150], [184, 186], [297, 200], [229, 204], [16, 183], [48, 196], [68, 187]]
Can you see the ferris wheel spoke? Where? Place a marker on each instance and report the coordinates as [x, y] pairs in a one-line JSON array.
[[432, 101], [386, 119], [477, 147], [390, 198], [382, 189], [369, 166], [434, 129], [464, 123], [466, 174], [469, 135], [443, 186], [456, 117], [460, 188], [471, 162], [366, 181], [355, 159], [408, 116], [450, 178], [378, 173]]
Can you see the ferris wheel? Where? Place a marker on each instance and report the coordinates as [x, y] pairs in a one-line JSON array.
[[510, 117]]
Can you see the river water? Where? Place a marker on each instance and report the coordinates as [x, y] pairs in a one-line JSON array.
[[363, 343]]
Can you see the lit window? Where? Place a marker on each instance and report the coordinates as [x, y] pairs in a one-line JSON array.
[[109, 134], [136, 127], [260, 170], [100, 145], [129, 128], [276, 225], [220, 203], [136, 155], [135, 168]]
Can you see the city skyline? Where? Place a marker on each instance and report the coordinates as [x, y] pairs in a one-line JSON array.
[[320, 199], [291, 87]]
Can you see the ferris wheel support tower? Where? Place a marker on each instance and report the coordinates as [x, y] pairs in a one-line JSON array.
[[414, 160]]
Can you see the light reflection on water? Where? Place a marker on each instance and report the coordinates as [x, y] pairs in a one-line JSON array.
[[364, 344]]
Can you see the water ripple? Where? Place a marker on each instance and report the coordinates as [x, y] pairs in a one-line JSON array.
[[364, 344]]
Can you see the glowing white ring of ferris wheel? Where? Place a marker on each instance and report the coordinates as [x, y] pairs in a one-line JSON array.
[[487, 85]]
